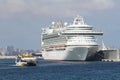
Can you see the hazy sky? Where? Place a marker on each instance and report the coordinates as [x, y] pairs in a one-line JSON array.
[[21, 20]]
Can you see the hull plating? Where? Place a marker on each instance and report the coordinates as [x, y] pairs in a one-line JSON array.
[[74, 53]]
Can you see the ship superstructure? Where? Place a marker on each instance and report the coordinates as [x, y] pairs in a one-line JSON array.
[[76, 41]]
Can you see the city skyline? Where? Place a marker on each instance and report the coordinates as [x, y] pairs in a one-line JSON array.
[[21, 20], [13, 51]]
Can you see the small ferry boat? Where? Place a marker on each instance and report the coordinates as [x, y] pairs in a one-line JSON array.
[[26, 60]]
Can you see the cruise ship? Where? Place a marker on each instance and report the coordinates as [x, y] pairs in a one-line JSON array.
[[69, 42]]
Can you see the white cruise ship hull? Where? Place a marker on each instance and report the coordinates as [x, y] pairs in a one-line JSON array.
[[74, 42], [71, 53]]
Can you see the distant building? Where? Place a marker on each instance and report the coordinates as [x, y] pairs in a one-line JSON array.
[[2, 52], [10, 50]]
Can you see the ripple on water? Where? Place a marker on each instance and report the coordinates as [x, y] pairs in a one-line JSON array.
[[51, 70]]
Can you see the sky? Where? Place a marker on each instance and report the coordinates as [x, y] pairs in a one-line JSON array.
[[21, 20]]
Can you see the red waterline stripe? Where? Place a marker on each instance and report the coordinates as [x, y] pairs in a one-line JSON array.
[[64, 60]]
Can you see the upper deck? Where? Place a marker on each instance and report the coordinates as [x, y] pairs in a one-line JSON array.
[[78, 27]]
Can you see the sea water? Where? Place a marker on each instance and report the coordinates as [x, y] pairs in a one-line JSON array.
[[54, 70]]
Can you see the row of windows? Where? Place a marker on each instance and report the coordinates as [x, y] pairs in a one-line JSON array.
[[55, 49], [79, 37], [78, 29], [82, 40]]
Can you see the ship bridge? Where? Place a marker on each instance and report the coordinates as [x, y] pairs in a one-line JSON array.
[[78, 21], [80, 28]]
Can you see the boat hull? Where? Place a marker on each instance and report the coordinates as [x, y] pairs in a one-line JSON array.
[[25, 64], [21, 64], [71, 53]]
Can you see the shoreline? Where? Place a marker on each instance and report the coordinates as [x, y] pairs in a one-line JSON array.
[[6, 57]]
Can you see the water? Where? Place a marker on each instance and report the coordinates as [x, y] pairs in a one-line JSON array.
[[51, 70]]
